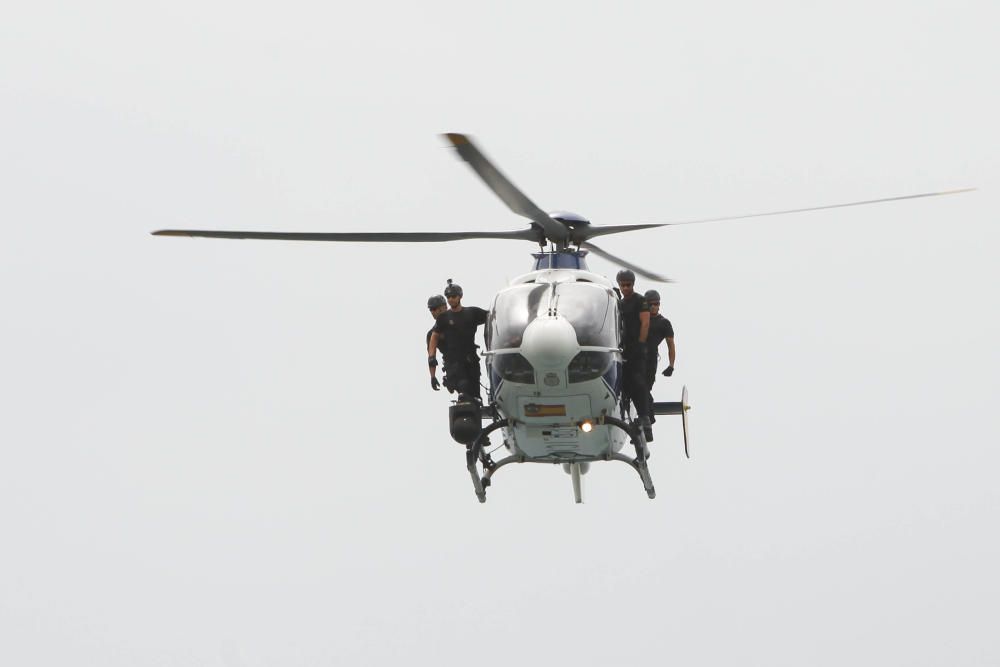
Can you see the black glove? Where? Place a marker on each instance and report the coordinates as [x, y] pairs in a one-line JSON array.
[[668, 371], [435, 385]]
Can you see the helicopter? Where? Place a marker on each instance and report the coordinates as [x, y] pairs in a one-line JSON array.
[[553, 340]]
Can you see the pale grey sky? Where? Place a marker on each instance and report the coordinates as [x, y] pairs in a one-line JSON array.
[[226, 453]]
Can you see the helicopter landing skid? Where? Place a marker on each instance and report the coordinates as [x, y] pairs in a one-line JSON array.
[[475, 456], [638, 440]]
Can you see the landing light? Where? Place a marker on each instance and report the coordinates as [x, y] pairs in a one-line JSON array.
[[586, 426]]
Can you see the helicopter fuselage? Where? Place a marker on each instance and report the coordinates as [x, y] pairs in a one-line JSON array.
[[554, 362]]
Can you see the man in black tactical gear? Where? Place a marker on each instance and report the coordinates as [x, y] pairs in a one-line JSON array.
[[437, 305], [660, 330], [635, 322], [457, 326]]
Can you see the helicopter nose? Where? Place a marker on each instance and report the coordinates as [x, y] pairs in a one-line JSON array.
[[549, 342]]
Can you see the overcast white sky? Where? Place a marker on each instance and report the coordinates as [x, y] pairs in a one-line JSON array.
[[227, 453]]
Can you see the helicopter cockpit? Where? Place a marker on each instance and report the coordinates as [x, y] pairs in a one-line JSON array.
[[567, 328]]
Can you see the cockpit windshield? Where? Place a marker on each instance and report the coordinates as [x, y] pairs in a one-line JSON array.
[[513, 310], [590, 309]]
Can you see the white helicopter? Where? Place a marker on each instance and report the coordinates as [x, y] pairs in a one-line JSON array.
[[553, 340]]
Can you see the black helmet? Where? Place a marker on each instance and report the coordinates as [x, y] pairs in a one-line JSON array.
[[625, 276], [452, 289], [436, 301], [652, 295]]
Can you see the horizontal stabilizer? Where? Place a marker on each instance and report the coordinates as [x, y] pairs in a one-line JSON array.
[[677, 408]]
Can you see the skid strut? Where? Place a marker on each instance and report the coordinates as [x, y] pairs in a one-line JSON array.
[[638, 440], [475, 454]]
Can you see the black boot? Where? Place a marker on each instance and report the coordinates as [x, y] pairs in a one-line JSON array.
[[647, 428]]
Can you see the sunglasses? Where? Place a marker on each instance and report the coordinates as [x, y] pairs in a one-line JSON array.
[[654, 303]]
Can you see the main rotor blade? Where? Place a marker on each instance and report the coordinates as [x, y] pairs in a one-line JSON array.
[[355, 237], [820, 208], [628, 265], [508, 193], [592, 231]]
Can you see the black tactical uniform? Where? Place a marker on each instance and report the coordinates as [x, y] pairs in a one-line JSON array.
[[634, 370], [659, 330], [436, 303], [442, 341], [461, 363]]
